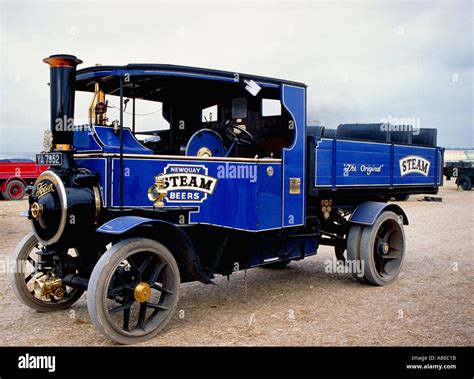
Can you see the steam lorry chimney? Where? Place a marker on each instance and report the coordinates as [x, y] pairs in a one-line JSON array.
[[62, 69]]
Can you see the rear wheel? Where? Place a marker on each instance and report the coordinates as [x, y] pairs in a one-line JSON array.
[[353, 252], [133, 291], [382, 249], [464, 182], [15, 190]]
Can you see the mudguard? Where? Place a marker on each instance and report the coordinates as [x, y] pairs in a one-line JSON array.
[[172, 237], [366, 213]]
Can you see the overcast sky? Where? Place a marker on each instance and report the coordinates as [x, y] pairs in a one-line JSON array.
[[362, 61]]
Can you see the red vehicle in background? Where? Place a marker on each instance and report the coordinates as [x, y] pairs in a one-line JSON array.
[[16, 175]]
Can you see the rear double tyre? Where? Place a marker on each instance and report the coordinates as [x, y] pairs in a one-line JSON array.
[[353, 252], [377, 251]]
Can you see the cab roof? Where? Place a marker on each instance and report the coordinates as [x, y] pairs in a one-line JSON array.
[[108, 76]]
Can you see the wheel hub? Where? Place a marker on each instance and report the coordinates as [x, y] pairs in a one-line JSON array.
[[383, 248], [142, 292], [36, 210]]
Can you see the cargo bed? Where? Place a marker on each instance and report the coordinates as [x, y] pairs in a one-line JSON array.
[[351, 165]]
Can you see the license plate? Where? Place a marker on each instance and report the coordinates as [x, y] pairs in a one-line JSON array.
[[50, 159]]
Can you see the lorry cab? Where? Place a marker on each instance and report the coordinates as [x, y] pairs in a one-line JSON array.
[[245, 132]]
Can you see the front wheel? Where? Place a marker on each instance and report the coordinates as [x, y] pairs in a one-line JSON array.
[[133, 290], [26, 272]]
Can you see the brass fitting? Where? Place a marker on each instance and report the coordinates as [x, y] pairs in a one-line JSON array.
[[142, 292], [47, 286], [157, 192], [204, 152], [36, 210], [62, 147], [326, 207]]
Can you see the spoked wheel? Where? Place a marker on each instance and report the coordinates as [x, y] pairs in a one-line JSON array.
[[382, 249], [26, 272], [134, 290]]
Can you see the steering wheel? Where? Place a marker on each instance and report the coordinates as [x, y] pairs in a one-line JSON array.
[[244, 138]]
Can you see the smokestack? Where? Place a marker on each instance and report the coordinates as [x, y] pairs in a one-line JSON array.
[[62, 85]]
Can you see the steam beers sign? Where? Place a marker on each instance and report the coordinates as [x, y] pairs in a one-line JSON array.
[[184, 183], [414, 164]]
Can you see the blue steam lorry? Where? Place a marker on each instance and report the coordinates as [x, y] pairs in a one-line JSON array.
[[129, 216]]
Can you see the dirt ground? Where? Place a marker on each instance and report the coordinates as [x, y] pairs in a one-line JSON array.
[[431, 303]]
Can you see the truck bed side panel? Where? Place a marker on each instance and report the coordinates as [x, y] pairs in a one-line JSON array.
[[346, 163]]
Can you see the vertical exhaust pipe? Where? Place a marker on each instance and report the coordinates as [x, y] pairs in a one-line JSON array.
[[62, 86]]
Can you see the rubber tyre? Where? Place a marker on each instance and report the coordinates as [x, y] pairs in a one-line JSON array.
[[17, 281], [367, 250], [464, 182], [105, 267], [12, 186], [353, 249]]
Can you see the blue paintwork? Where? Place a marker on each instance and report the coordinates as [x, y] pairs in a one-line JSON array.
[[85, 141], [290, 250], [123, 224], [206, 138], [169, 71], [98, 166], [294, 100], [111, 141], [104, 139], [269, 197], [344, 163], [428, 153], [366, 213], [251, 201]]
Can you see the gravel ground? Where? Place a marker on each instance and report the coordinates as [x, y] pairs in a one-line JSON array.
[[431, 303]]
